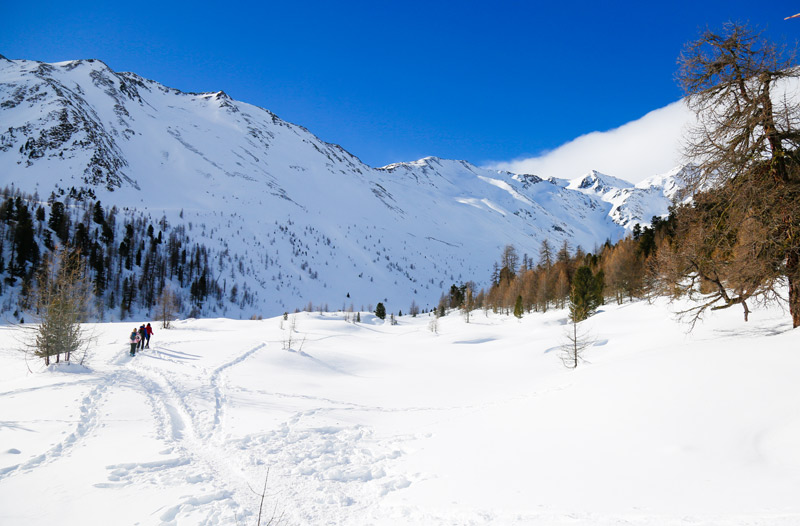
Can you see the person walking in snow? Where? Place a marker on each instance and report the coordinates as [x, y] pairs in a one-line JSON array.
[[134, 339], [142, 336], [149, 333]]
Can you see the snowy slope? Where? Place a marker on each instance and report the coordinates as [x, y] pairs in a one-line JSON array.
[[297, 219], [631, 204], [376, 424]]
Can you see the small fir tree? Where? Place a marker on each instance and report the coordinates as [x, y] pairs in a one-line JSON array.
[[518, 310], [584, 297]]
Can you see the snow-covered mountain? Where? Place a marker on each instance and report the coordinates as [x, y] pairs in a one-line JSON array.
[[293, 217], [631, 204]]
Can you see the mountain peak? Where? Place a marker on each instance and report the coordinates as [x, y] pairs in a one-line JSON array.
[[599, 183], [671, 183], [93, 63], [428, 161], [309, 219], [217, 95]]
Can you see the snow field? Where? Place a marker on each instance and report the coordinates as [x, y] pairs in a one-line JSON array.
[[370, 423]]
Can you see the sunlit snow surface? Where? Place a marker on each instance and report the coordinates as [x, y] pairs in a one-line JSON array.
[[370, 423]]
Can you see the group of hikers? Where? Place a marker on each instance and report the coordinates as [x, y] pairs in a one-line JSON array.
[[140, 338]]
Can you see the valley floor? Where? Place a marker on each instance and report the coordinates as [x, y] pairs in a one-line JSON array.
[[370, 423]]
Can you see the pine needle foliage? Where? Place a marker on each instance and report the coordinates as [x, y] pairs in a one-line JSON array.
[[586, 294]]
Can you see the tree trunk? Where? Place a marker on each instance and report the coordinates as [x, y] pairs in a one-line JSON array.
[[793, 273], [575, 344]]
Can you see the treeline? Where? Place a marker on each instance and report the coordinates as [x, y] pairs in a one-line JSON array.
[[615, 272], [546, 280], [130, 259], [715, 254], [738, 242]]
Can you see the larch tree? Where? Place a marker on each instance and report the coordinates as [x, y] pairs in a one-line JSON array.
[[62, 302], [575, 343], [167, 307], [469, 303], [509, 261], [546, 255], [746, 146], [624, 270]]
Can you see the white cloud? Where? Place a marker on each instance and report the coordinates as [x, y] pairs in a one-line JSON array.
[[634, 151]]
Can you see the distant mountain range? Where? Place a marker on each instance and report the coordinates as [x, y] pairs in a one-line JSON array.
[[301, 220]]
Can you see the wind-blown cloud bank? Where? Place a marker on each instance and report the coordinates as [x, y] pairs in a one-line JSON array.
[[634, 151]]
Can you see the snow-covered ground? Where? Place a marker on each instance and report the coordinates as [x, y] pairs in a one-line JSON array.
[[370, 423]]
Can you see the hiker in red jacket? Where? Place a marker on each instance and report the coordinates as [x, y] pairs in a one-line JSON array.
[[147, 335]]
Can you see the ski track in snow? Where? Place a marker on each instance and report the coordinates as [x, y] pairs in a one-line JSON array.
[[335, 457], [193, 458], [190, 456], [198, 459], [218, 382], [320, 463], [341, 466], [87, 421]]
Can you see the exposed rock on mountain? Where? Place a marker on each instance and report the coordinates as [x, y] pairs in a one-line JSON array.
[[293, 217]]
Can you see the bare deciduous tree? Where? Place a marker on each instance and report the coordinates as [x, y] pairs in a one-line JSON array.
[[275, 518], [746, 145], [576, 341], [469, 303], [624, 270], [167, 307], [718, 258]]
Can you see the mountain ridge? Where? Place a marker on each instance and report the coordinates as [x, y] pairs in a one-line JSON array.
[[405, 231]]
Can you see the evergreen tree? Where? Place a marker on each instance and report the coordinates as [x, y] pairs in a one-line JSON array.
[[583, 299], [518, 310], [380, 311], [98, 216], [59, 221], [456, 296], [25, 247]]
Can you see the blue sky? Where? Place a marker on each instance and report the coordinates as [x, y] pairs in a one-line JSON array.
[[396, 81]]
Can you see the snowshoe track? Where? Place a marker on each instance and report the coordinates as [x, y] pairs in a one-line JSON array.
[[87, 421]]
